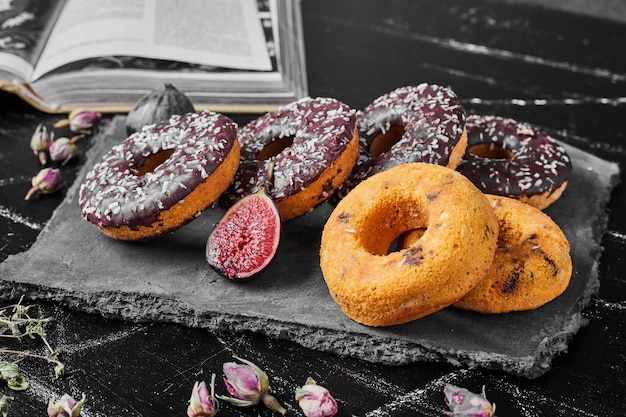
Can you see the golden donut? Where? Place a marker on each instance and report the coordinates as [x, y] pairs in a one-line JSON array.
[[532, 264], [376, 287]]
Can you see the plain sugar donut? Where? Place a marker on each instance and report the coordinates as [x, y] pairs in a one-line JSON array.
[[376, 287], [300, 154], [161, 177], [532, 264], [512, 159]]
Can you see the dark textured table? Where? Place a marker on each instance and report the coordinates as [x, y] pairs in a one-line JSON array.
[[557, 70]]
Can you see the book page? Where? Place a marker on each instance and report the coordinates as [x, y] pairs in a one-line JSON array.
[[24, 28], [221, 33]]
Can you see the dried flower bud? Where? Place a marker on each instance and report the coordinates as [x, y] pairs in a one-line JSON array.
[[65, 407], [315, 400], [464, 403], [62, 150], [79, 120], [202, 403], [248, 384], [47, 181], [40, 142]]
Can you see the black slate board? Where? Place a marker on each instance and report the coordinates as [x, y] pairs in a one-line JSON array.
[[168, 280]]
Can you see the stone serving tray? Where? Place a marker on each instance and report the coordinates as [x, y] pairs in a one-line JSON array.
[[168, 280]]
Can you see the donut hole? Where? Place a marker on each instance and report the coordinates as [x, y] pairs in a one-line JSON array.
[[384, 227], [274, 148], [407, 239], [410, 238], [384, 141], [490, 150], [153, 161]]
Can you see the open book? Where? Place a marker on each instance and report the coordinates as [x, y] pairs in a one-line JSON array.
[[225, 55]]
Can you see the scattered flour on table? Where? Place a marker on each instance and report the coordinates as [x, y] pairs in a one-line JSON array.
[[400, 29], [44, 392], [616, 235], [530, 402], [420, 400], [611, 306], [18, 218], [93, 343], [13, 180]]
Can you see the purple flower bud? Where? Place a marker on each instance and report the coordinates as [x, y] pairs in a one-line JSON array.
[[243, 382], [81, 120], [47, 181], [62, 150], [464, 403], [248, 384], [315, 400], [40, 142], [202, 403], [65, 407]]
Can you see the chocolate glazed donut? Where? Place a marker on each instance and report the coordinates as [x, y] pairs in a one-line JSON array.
[[513, 159], [300, 154], [161, 177], [423, 123]]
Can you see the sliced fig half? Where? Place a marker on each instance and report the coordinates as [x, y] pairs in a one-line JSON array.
[[245, 241]]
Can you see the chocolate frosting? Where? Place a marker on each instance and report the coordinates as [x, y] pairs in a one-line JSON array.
[[432, 120], [114, 194], [319, 129], [538, 163]]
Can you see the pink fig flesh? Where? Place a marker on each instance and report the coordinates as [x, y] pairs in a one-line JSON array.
[[245, 241]]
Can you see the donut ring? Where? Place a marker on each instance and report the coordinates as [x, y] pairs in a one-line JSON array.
[[376, 287], [513, 159], [532, 264], [423, 123], [300, 154], [161, 177]]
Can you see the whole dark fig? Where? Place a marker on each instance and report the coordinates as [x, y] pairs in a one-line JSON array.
[[245, 241], [157, 106]]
